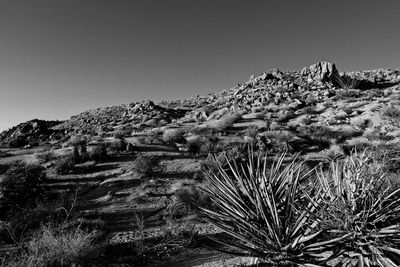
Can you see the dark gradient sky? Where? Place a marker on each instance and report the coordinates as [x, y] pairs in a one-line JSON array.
[[61, 57]]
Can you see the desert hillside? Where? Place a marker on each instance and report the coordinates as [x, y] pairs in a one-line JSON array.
[[135, 173]]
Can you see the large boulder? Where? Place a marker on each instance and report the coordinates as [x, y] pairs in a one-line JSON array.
[[321, 71]]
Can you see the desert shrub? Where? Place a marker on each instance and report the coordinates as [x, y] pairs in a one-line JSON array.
[[391, 112], [193, 197], [309, 110], [65, 164], [306, 121], [17, 142], [118, 145], [203, 130], [276, 142], [348, 94], [21, 186], [319, 134], [152, 136], [19, 224], [120, 134], [145, 164], [286, 116], [251, 131], [46, 156], [193, 146], [99, 153], [79, 144], [55, 246], [390, 154], [174, 136], [227, 121]]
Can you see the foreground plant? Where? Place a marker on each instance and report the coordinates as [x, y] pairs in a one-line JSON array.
[[262, 207], [362, 210], [346, 216]]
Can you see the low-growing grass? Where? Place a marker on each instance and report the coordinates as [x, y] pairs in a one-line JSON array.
[[392, 112], [54, 246], [146, 164]]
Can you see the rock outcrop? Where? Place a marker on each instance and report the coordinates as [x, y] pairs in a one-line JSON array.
[[321, 71]]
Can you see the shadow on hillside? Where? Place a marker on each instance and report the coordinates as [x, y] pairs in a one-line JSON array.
[[86, 169], [366, 85], [175, 175], [182, 156]]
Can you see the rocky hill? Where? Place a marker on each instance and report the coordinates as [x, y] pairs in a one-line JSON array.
[[275, 97], [30, 133]]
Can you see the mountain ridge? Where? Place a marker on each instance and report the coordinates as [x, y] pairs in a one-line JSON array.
[[289, 90]]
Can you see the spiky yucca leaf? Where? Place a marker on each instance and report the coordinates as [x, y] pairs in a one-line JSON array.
[[358, 204], [263, 207]]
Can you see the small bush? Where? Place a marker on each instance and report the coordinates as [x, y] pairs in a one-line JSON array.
[[227, 121], [46, 156], [118, 145], [17, 142], [145, 164], [251, 132], [194, 197], [20, 223], [55, 246], [65, 164], [306, 121], [286, 116], [79, 144], [392, 112], [193, 146], [319, 134], [174, 136], [348, 94], [120, 134], [21, 186], [310, 110], [99, 153]]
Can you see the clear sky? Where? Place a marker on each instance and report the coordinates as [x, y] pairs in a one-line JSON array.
[[61, 57]]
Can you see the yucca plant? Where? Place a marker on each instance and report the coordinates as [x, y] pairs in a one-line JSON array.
[[266, 210], [362, 210], [346, 82]]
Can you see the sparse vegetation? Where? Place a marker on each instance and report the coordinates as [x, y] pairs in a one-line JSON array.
[[55, 246], [99, 153], [174, 136], [227, 121], [392, 112], [20, 187], [346, 82], [64, 164], [145, 164], [46, 156]]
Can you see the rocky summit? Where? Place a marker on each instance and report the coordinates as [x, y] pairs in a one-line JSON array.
[[132, 172]]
